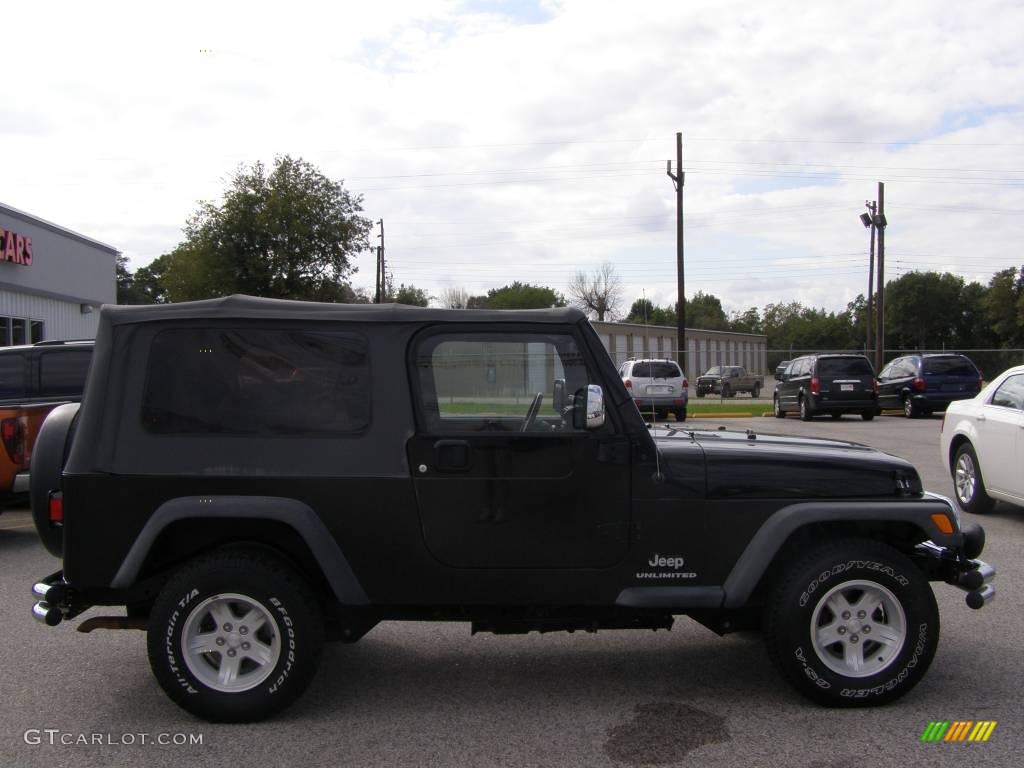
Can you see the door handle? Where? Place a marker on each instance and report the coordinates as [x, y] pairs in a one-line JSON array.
[[981, 417], [451, 455]]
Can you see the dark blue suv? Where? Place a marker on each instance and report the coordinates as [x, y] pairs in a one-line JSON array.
[[920, 384]]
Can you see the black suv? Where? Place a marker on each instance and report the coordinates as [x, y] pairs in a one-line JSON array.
[[249, 477], [834, 384], [920, 384]]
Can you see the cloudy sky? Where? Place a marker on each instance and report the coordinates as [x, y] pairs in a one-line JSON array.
[[526, 140]]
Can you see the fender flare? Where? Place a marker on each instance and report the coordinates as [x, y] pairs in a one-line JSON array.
[[293, 513], [768, 540]]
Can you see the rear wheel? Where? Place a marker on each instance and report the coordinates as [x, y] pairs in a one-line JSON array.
[[836, 416], [726, 391], [910, 409], [756, 392], [805, 411], [867, 415], [680, 414], [853, 624], [968, 483], [777, 408], [234, 636]]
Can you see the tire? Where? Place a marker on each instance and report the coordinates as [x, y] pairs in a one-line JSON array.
[[238, 588], [805, 411], [699, 393], [49, 455], [910, 410], [756, 391], [680, 414], [867, 415], [837, 653], [968, 484], [726, 392], [836, 416], [777, 407]]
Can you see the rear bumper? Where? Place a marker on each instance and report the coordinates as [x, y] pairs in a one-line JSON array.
[[955, 567], [668, 402], [939, 401], [56, 600], [21, 483], [827, 404]]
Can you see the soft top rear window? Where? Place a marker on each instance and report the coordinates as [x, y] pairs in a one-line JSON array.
[[656, 370], [844, 366], [950, 366]]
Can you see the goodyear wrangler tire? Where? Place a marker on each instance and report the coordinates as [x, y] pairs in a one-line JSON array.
[[853, 624], [234, 636]]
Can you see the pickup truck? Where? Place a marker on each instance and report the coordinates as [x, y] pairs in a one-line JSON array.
[[34, 379], [727, 380], [246, 478]]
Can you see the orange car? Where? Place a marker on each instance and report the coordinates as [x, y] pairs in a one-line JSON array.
[[34, 380]]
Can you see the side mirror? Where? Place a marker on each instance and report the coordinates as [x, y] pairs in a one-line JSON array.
[[595, 406], [558, 396], [780, 376]]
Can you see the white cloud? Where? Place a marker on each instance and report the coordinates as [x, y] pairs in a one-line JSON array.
[[549, 126]]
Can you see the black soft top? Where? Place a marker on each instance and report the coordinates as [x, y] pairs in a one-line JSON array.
[[253, 307]]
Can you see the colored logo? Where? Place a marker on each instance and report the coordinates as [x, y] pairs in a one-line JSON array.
[[958, 730]]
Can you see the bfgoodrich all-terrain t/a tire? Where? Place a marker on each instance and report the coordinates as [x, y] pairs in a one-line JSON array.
[[853, 624], [234, 636]]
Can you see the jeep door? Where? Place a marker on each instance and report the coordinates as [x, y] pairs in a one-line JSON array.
[[505, 477]]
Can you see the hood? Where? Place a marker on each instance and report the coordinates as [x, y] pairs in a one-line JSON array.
[[755, 465]]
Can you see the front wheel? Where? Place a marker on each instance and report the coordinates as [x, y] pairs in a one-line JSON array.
[[910, 409], [726, 392], [853, 624], [234, 636], [777, 408], [756, 391], [968, 482], [867, 415]]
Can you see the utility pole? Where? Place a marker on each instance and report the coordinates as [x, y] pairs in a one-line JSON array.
[[880, 223], [872, 206], [381, 293], [677, 179]]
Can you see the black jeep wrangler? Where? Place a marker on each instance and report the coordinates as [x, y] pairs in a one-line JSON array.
[[250, 477]]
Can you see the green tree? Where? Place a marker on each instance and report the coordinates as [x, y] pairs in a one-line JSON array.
[[705, 311], [409, 294], [920, 310], [129, 291], [1003, 306], [523, 296], [289, 232], [746, 322]]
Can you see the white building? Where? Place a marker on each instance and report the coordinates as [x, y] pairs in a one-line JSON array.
[[52, 280]]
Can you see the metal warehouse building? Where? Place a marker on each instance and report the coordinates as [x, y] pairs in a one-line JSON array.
[[52, 280], [626, 341]]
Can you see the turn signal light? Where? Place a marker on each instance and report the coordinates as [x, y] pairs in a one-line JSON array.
[[628, 383], [12, 432], [919, 384], [815, 386], [942, 522]]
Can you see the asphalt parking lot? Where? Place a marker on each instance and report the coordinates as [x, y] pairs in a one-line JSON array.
[[432, 694]]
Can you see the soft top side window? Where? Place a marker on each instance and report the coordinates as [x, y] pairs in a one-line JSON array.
[[257, 381]]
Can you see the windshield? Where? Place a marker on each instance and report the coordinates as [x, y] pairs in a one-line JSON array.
[[715, 370]]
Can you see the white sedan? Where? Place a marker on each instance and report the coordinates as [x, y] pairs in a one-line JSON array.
[[982, 444]]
